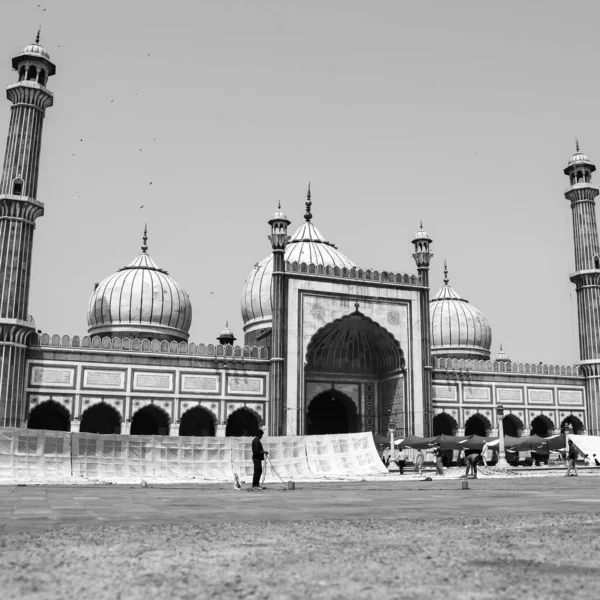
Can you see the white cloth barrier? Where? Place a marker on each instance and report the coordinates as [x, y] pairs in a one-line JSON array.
[[28, 454], [587, 444]]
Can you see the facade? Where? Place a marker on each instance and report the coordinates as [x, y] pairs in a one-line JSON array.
[[329, 347]]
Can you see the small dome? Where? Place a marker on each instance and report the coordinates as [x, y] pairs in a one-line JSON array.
[[501, 356], [421, 235], [140, 300], [279, 215], [307, 245], [579, 157], [226, 336], [458, 329], [37, 50]]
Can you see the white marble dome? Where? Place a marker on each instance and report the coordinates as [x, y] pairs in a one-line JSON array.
[[140, 300], [458, 329], [36, 50], [307, 245]]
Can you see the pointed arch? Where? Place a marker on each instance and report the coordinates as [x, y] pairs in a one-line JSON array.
[[445, 424], [542, 426], [354, 344], [513, 426], [197, 421], [243, 422], [100, 418], [575, 423], [331, 412], [150, 420], [49, 415], [478, 424]]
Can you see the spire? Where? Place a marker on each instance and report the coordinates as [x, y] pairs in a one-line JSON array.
[[576, 145], [308, 214], [446, 280], [279, 205], [145, 239], [37, 37]]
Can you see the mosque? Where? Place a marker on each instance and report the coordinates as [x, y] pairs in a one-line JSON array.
[[329, 347]]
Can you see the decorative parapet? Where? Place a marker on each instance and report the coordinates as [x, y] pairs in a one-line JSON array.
[[456, 364], [152, 346], [354, 273]]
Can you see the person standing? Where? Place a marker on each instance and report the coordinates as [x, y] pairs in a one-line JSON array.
[[419, 460], [484, 452], [401, 460], [258, 455], [439, 465], [572, 454]]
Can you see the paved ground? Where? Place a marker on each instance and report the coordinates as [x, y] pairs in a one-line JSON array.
[[33, 507], [512, 538]]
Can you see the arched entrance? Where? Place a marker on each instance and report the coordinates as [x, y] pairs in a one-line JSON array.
[[444, 424], [575, 423], [150, 420], [513, 426], [49, 415], [477, 424], [358, 349], [197, 422], [542, 426], [100, 418], [331, 412], [242, 423]]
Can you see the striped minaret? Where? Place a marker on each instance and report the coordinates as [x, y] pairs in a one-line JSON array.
[[19, 208], [581, 193]]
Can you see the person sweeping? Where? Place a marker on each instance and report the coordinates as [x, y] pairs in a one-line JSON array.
[[258, 455]]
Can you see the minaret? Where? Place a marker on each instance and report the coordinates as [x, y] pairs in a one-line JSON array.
[[277, 401], [423, 258], [581, 193], [19, 209]]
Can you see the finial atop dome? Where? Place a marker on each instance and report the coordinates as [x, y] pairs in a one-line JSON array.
[[308, 214], [145, 239], [446, 280], [37, 37], [576, 145]]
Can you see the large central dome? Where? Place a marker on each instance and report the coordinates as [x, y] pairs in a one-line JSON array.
[[307, 245], [141, 301]]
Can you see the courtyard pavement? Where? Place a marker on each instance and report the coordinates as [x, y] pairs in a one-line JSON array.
[[26, 508]]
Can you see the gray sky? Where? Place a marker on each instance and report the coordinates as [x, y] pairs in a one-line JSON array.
[[462, 114]]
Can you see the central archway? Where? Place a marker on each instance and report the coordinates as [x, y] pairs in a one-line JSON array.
[[331, 412], [356, 349]]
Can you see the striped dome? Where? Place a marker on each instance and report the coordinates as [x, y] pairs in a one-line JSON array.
[[36, 50], [458, 329], [142, 301], [307, 245]]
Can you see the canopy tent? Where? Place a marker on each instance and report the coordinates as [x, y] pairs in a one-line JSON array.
[[381, 440], [535, 443], [476, 442], [587, 444], [416, 442]]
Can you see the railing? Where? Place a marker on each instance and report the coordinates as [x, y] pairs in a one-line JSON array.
[[144, 345], [506, 367]]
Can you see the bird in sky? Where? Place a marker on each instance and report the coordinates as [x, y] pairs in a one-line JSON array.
[[150, 183], [142, 206]]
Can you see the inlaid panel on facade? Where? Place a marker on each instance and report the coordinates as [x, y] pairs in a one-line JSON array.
[[254, 386], [570, 397], [476, 394], [104, 379], [509, 395], [51, 376], [540, 397], [444, 392], [200, 384], [146, 380]]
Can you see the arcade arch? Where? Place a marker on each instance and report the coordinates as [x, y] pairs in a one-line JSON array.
[[542, 426], [331, 411], [150, 420], [444, 424], [478, 424], [49, 415], [242, 423], [100, 418], [352, 348], [575, 423], [513, 426], [197, 421]]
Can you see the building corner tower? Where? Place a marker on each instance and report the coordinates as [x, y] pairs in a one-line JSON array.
[[423, 256], [581, 194], [19, 209]]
